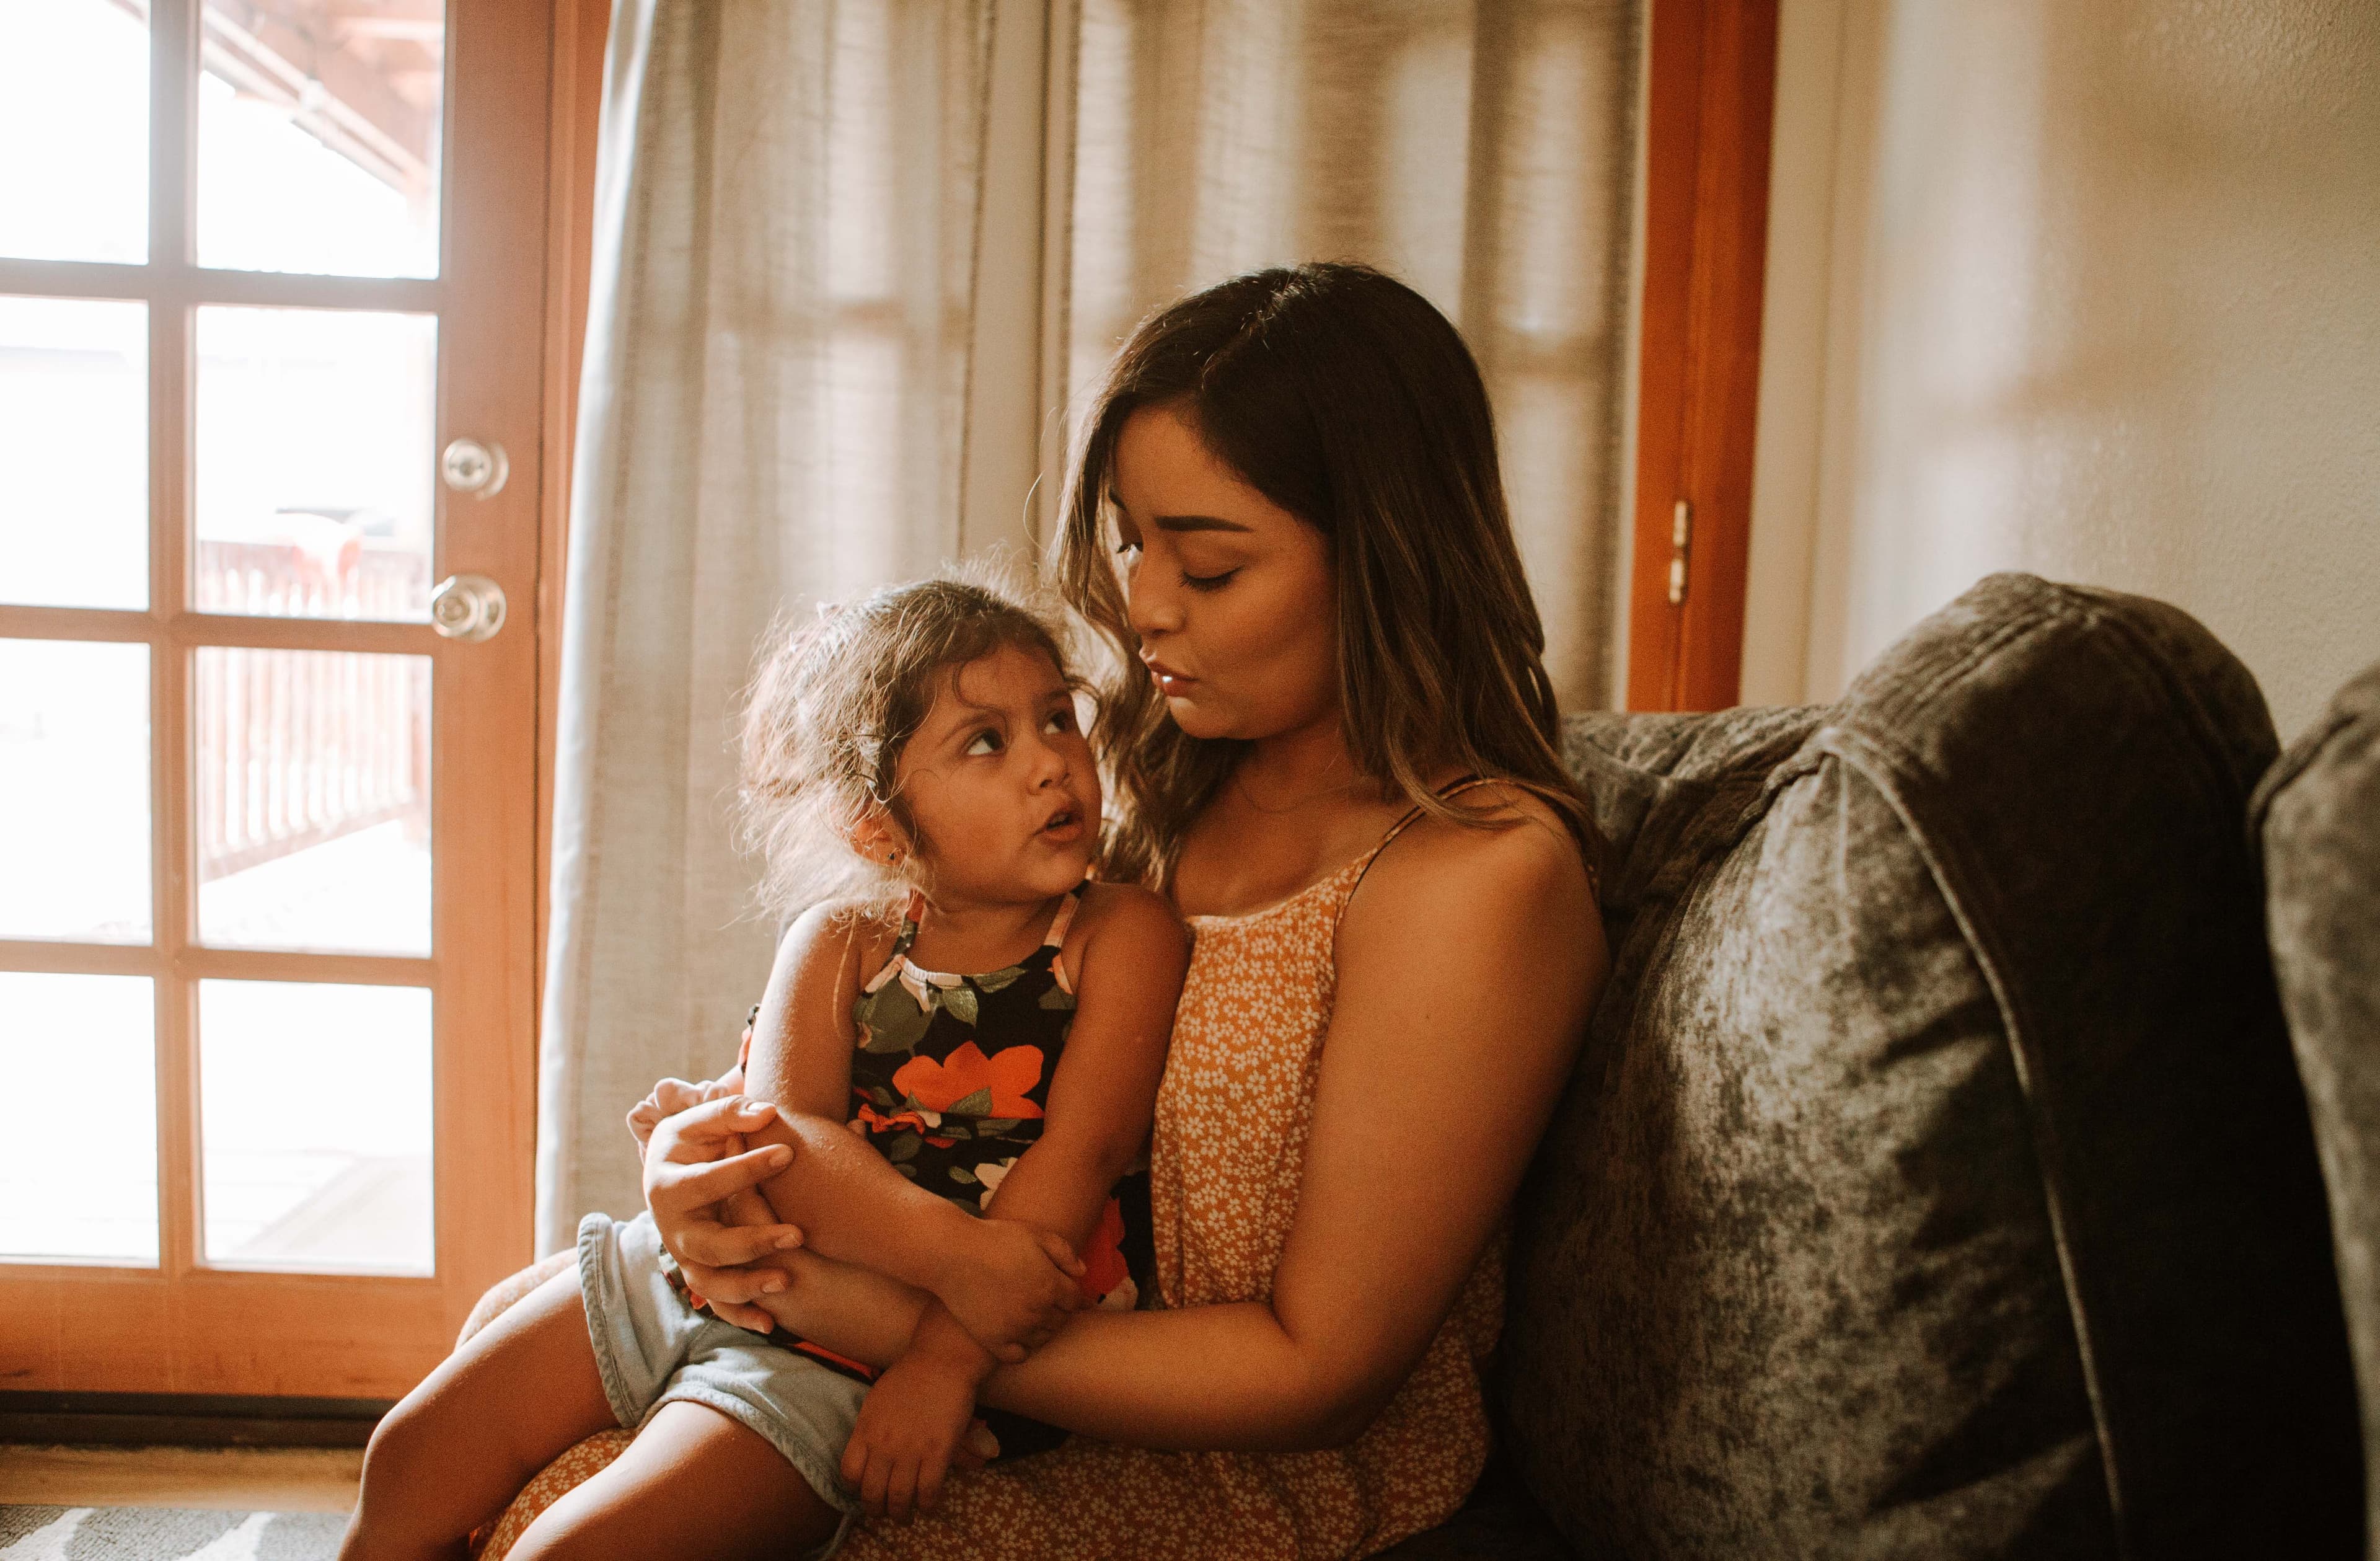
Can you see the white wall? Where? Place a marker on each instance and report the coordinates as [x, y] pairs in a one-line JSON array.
[[2088, 287]]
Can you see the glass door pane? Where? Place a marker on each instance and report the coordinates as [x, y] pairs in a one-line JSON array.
[[315, 456], [74, 791], [315, 1115], [320, 129], [74, 451], [74, 83], [68, 1044], [313, 801]]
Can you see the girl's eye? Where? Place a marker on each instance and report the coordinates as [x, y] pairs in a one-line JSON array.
[[1208, 583], [986, 742], [1060, 721]]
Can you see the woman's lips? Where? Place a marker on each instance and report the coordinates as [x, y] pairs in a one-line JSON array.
[[1169, 682]]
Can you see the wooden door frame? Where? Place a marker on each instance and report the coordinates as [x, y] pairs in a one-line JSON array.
[[1710, 94]]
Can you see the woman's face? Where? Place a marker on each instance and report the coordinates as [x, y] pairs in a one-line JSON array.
[[1232, 596]]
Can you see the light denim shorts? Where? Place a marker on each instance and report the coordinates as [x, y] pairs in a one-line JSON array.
[[653, 1349]]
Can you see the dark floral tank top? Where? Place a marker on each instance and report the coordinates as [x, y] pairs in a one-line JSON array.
[[951, 1075], [950, 1080]]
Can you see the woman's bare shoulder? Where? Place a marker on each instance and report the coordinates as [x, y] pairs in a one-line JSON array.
[[1520, 858]]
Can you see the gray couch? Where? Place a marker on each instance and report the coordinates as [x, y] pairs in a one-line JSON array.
[[1936, 1179]]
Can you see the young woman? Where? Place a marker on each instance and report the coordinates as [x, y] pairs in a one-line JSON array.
[[1331, 743]]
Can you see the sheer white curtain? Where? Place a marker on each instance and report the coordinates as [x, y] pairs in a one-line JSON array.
[[855, 260], [1484, 151], [776, 362]]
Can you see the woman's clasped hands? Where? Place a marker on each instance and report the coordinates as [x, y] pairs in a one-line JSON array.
[[1010, 1285]]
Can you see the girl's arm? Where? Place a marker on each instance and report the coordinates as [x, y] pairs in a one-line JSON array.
[[1128, 955], [1444, 1059], [1129, 958], [1012, 1284], [1131, 954]]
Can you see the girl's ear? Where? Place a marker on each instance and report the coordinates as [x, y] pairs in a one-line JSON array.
[[876, 837]]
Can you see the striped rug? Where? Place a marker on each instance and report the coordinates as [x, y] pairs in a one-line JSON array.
[[158, 1533]]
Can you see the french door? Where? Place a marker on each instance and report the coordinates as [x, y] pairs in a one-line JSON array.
[[272, 307]]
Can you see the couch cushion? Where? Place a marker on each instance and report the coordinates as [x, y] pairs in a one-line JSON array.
[[1934, 1178], [2318, 814]]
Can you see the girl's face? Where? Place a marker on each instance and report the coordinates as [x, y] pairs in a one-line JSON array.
[[1000, 784], [1232, 596]]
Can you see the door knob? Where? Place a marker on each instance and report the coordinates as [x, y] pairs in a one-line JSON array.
[[468, 607], [472, 467]]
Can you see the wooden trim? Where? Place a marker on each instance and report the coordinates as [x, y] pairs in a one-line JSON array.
[[107, 625], [581, 28], [168, 574], [45, 956], [186, 1420], [176, 283], [1711, 90], [290, 964], [173, 137], [194, 963]]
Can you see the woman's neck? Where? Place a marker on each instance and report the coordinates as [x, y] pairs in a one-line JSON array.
[[1299, 766]]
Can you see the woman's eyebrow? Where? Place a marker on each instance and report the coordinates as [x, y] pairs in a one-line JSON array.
[[1178, 523]]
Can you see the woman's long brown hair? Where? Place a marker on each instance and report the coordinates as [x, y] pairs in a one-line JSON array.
[[1344, 397]]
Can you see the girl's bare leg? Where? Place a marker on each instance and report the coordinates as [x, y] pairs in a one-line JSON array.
[[693, 1486], [479, 1428]]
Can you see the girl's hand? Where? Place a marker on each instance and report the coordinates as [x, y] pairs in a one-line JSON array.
[[694, 1163], [1011, 1285], [668, 1097], [914, 1425]]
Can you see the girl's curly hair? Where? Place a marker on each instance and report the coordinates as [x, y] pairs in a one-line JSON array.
[[834, 701]]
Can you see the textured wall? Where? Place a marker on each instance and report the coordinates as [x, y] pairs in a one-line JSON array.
[[2101, 300]]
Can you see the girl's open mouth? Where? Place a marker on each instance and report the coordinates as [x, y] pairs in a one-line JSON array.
[[1064, 825]]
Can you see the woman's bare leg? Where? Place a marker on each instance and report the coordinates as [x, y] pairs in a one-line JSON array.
[[462, 1444], [693, 1486]]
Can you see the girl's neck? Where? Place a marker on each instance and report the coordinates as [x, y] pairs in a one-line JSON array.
[[964, 934]]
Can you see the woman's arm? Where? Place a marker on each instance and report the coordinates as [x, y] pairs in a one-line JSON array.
[[1442, 1065]]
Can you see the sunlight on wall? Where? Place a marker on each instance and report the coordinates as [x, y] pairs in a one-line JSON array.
[[2102, 302]]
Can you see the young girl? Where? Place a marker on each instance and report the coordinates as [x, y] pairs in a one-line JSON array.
[[913, 764]]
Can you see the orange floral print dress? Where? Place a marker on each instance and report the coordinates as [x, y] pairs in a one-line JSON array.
[[1226, 1159]]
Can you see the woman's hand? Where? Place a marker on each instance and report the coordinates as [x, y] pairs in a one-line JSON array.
[[1011, 1285], [695, 1161]]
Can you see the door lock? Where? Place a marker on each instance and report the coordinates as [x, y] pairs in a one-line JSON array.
[[468, 607], [470, 467]]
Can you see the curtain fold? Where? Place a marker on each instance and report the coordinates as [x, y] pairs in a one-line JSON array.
[[770, 415], [1483, 151]]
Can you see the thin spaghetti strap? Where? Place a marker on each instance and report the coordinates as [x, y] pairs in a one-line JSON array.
[[1413, 815], [910, 915], [1056, 940], [1064, 919], [1364, 864]]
